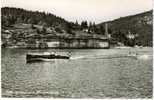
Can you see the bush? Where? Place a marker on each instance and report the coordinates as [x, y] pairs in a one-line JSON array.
[[58, 30]]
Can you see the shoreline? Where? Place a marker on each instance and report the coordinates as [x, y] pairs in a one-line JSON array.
[[117, 47]]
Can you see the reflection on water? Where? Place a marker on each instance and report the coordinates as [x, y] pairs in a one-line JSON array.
[[82, 76]]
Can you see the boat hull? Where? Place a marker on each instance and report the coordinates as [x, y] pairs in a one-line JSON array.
[[39, 58]]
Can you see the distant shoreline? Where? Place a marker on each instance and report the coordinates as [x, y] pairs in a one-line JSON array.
[[117, 47]]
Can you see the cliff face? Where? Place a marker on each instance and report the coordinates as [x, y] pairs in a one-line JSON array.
[[139, 25]]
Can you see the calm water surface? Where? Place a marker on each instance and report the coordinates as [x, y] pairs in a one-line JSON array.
[[85, 75]]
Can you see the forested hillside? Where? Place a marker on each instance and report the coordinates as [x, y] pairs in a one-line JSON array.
[[12, 16], [21, 26], [139, 25]]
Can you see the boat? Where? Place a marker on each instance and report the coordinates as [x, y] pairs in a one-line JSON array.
[[36, 57]]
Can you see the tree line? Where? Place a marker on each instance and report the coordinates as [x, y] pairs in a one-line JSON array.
[[12, 16]]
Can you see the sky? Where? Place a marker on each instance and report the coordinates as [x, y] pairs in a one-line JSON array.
[[91, 10]]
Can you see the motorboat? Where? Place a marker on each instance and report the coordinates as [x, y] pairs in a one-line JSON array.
[[46, 56]]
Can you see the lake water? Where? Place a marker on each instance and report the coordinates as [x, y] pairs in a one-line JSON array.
[[85, 75]]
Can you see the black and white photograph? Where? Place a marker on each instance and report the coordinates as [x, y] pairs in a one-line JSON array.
[[84, 49]]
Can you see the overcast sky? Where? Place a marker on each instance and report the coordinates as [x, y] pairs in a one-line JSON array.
[[91, 10]]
